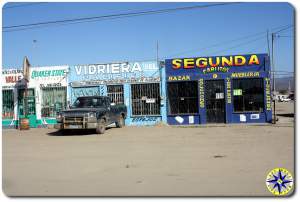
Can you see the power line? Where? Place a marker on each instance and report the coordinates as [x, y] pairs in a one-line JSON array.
[[280, 36], [239, 45], [224, 42], [119, 15], [218, 44], [70, 23], [23, 5], [283, 71], [288, 27], [63, 24]]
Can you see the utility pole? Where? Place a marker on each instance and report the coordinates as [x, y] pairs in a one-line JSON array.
[[273, 63], [159, 67], [268, 42], [273, 75], [157, 60]]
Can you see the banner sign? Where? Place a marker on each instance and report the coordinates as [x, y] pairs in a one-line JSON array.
[[217, 64], [114, 73], [52, 76], [10, 77]]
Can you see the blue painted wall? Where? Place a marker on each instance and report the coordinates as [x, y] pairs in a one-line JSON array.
[[190, 71], [93, 79]]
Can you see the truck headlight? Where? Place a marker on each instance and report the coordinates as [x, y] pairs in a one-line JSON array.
[[59, 117]]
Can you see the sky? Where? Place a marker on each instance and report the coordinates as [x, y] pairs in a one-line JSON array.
[[213, 31]]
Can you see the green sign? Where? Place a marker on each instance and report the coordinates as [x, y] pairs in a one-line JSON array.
[[237, 92], [47, 73]]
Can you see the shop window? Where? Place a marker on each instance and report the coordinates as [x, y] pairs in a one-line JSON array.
[[7, 104], [183, 97], [116, 93], [145, 99], [53, 100], [85, 91], [248, 95]]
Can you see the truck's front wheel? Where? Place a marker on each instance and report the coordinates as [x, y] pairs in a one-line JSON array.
[[100, 127], [120, 122]]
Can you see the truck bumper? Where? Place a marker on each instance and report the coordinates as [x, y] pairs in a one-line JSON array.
[[86, 124]]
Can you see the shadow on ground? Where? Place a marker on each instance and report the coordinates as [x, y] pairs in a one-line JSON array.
[[286, 115], [78, 132]]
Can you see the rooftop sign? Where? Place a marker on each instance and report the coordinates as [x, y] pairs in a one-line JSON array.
[[217, 64]]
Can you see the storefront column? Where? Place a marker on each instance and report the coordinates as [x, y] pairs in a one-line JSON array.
[[229, 100], [103, 90], [16, 115], [268, 99], [127, 102], [163, 104], [38, 100], [201, 96]]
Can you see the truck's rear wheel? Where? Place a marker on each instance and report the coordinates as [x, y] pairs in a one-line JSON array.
[[100, 127], [120, 122]]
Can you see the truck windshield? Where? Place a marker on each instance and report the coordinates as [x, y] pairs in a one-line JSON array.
[[88, 102]]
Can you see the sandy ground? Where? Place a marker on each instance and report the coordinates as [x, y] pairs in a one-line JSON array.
[[223, 160]]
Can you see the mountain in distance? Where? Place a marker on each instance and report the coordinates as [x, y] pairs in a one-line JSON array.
[[282, 83]]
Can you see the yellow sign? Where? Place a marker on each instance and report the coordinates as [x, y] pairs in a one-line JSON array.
[[179, 78], [268, 94], [201, 93], [244, 74], [203, 62], [228, 85]]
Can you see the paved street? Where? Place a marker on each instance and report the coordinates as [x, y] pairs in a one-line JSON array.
[[144, 161]]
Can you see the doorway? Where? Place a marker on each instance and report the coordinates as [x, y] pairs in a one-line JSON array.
[[31, 114], [215, 101]]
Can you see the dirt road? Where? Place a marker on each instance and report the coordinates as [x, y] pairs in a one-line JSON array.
[[147, 161]]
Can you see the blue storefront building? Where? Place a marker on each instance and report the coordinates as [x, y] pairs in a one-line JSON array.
[[138, 85], [178, 91], [218, 89]]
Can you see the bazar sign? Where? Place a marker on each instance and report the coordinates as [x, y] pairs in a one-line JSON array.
[[47, 73], [223, 61]]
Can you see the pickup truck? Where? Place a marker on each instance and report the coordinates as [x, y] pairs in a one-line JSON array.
[[91, 112]]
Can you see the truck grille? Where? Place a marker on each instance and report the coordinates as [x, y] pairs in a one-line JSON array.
[[73, 114], [73, 120]]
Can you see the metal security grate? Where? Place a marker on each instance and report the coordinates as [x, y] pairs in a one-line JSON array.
[[116, 93], [30, 102], [248, 95], [145, 99], [215, 101], [183, 97], [54, 99], [7, 104]]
